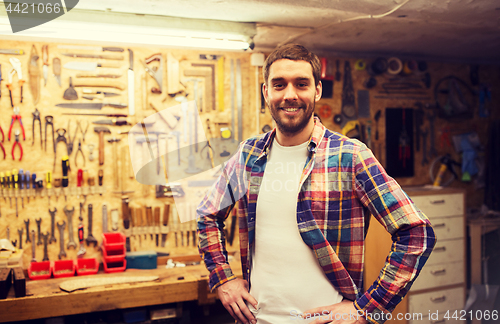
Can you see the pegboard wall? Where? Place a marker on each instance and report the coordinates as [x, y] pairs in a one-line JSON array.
[[413, 90]]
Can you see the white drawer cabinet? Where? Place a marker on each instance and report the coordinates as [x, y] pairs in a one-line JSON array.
[[441, 283]]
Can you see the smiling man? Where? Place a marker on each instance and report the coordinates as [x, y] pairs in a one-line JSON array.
[[304, 195]]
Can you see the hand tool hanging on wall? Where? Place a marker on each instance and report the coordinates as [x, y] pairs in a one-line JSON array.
[[45, 238], [131, 84], [20, 231], [17, 143], [89, 66], [45, 59], [36, 117], [17, 117], [81, 252], [56, 69], [21, 186], [48, 184], [62, 252], [34, 73], [71, 141], [93, 75], [15, 185], [11, 51], [98, 56], [157, 72], [27, 180], [113, 142], [166, 218], [1, 145], [69, 214], [16, 68], [105, 115], [65, 178], [79, 150], [4, 186], [348, 100], [70, 93], [38, 226], [91, 106], [61, 137], [101, 93], [112, 122], [27, 224], [101, 130], [210, 90], [1, 80], [90, 238], [52, 225], [99, 84], [92, 48], [9, 185], [49, 120]]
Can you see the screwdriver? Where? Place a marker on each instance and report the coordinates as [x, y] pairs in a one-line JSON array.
[[4, 185], [28, 180], [65, 180], [21, 186], [33, 184], [48, 179], [79, 179], [8, 183], [15, 184]]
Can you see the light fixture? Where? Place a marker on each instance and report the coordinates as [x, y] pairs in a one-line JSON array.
[[115, 27]]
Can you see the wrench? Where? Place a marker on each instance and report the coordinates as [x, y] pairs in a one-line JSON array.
[[90, 238], [52, 225], [424, 146], [69, 213], [33, 247], [27, 223], [61, 227], [38, 223], [104, 218], [45, 238], [20, 231]]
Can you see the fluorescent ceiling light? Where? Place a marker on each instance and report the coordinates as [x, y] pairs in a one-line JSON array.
[[111, 27]]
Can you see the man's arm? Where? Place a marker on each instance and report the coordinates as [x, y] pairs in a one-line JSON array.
[[412, 235]]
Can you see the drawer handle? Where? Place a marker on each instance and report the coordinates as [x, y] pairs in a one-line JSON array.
[[436, 272], [436, 202], [440, 249], [438, 322], [438, 299], [439, 225]]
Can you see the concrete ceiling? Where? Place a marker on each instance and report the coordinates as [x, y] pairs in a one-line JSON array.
[[451, 30]]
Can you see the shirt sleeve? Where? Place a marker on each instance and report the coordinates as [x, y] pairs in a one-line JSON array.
[[412, 236], [212, 212]]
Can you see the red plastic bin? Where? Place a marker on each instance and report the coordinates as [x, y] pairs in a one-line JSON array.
[[87, 266], [113, 241], [63, 268], [40, 270], [113, 255], [117, 266]]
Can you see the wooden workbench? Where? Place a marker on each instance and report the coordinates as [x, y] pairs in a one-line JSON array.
[[45, 299]]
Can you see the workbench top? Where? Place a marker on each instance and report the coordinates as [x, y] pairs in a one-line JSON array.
[[45, 299]]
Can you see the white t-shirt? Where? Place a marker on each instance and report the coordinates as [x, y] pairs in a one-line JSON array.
[[286, 278]]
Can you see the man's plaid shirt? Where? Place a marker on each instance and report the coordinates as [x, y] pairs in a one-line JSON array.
[[341, 182]]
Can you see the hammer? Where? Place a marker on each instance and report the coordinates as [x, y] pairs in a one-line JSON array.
[[113, 141], [101, 130]]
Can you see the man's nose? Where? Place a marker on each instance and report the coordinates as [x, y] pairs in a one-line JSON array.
[[290, 93]]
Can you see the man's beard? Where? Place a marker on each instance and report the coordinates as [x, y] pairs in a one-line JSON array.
[[298, 124]]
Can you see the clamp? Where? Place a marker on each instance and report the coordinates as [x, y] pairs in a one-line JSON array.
[[17, 133], [16, 68], [15, 117], [36, 116]]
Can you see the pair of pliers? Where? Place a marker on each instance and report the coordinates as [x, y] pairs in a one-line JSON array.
[[15, 117], [17, 133]]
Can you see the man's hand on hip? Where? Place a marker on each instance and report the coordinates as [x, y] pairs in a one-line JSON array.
[[233, 295], [341, 313]]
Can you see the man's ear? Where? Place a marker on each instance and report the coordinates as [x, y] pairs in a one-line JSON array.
[[319, 91], [264, 91]]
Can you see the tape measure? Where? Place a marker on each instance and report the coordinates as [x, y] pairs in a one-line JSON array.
[[360, 65], [226, 133]]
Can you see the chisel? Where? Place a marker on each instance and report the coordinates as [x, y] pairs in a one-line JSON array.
[[166, 217], [92, 48], [15, 185], [157, 225]]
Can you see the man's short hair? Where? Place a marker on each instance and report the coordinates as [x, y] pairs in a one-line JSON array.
[[293, 52]]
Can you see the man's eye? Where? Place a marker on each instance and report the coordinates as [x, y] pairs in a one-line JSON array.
[[302, 85], [278, 85]]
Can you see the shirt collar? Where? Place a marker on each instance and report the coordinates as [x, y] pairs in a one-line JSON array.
[[314, 140]]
